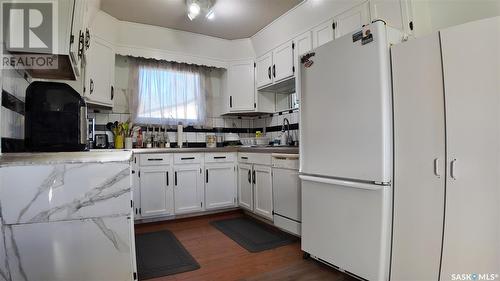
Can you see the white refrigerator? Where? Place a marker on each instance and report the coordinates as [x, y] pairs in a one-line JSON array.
[[346, 152]]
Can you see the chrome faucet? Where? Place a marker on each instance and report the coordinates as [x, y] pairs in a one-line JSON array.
[[286, 123]]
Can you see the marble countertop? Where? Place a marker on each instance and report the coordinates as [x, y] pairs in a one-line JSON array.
[[120, 155], [48, 158], [270, 149]]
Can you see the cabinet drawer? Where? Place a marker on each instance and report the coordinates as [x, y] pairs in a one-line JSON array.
[[188, 158], [219, 157], [155, 159], [255, 158]]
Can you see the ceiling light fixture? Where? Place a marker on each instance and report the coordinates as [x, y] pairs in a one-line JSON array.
[[210, 15], [195, 7]]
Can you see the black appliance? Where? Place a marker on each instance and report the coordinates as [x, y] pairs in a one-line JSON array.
[[55, 118]]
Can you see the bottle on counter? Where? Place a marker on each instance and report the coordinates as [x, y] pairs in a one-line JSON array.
[[180, 135], [167, 139], [139, 139]]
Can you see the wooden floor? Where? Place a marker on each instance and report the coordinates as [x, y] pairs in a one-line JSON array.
[[222, 259]]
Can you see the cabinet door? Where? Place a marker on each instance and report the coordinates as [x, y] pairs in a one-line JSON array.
[[471, 66], [188, 190], [323, 33], [352, 20], [245, 187], [303, 43], [156, 192], [220, 186], [419, 159], [263, 71], [136, 188], [396, 13], [76, 47], [283, 62], [389, 11], [99, 72], [263, 191], [241, 86]]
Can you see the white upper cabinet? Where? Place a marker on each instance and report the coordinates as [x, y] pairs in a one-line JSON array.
[[395, 13], [275, 66], [283, 62], [303, 43], [352, 20], [323, 33], [99, 78], [263, 70], [241, 86], [77, 39]]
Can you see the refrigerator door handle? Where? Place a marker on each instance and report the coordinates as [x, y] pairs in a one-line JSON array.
[[345, 183], [452, 169], [436, 168]]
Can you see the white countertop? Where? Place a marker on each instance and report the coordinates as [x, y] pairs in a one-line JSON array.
[[119, 155], [48, 158]]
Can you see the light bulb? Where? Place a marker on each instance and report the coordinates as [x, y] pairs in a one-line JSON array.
[[194, 9]]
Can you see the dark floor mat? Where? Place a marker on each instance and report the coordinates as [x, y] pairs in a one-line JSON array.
[[253, 235], [160, 254]]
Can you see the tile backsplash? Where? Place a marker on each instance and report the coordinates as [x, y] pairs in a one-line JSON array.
[[244, 126]]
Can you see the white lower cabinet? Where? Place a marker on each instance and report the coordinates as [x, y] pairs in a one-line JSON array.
[[255, 184], [136, 187], [263, 187], [188, 188], [220, 186], [157, 195], [245, 186]]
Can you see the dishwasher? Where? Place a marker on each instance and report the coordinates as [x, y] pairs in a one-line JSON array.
[[286, 192]]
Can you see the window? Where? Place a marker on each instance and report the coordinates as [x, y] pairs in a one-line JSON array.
[[169, 93]]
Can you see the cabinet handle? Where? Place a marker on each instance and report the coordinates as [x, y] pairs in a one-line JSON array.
[[112, 92], [452, 169], [230, 101], [175, 178], [274, 70], [436, 168], [168, 182], [220, 157], [206, 175], [91, 86], [269, 72], [81, 44], [187, 158], [253, 176], [244, 158], [155, 159], [87, 38], [249, 177]]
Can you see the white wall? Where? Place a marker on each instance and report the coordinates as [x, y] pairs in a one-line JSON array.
[[298, 20], [149, 41]]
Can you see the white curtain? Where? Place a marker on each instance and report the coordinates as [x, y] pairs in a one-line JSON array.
[[169, 93]]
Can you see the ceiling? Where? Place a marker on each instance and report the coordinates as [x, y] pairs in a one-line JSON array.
[[234, 19]]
